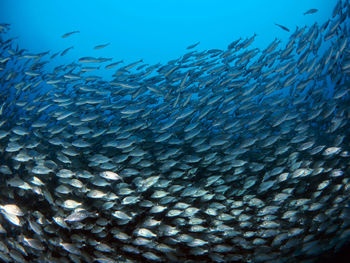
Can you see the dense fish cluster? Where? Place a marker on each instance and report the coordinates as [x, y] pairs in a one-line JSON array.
[[236, 155]]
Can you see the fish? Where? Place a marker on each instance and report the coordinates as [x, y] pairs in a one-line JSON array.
[[93, 60], [101, 46], [11, 209], [88, 69], [64, 52], [311, 11], [70, 33], [193, 45], [2, 108], [238, 154], [283, 27], [127, 67], [112, 65]]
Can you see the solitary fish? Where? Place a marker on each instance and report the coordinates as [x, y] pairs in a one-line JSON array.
[[70, 33], [101, 46], [127, 67], [66, 50], [193, 46], [2, 108], [283, 27], [93, 60], [310, 11], [11, 209], [113, 64]]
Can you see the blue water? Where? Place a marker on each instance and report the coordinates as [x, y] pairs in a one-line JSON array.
[[155, 31]]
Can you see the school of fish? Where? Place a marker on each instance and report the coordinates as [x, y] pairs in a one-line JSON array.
[[235, 155]]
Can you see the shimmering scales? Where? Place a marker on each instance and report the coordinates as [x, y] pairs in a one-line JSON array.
[[11, 209], [222, 155]]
